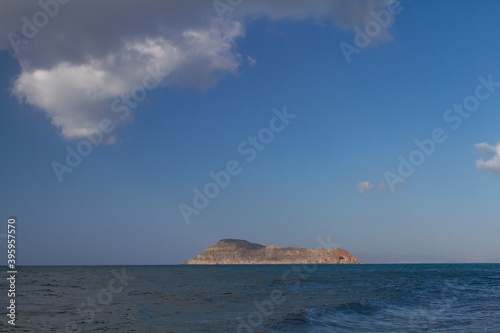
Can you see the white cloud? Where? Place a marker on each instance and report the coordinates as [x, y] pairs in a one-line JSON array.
[[492, 164], [79, 62], [365, 187], [77, 96]]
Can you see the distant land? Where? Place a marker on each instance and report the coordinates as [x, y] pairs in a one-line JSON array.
[[241, 252]]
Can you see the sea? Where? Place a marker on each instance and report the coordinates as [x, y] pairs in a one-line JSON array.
[[256, 298]]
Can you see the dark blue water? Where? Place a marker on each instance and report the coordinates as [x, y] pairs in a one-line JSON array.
[[287, 298]]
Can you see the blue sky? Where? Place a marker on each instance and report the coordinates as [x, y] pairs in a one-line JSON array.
[[223, 77]]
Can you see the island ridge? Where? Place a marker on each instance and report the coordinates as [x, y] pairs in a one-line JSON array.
[[241, 252]]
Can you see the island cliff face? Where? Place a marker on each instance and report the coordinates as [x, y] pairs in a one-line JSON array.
[[241, 252]]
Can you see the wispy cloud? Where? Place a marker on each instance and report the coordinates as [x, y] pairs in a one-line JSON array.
[[492, 164]]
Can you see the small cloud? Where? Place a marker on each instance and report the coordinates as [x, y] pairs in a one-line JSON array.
[[365, 187], [251, 60], [491, 165]]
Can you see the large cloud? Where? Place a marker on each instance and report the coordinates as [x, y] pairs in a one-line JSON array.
[[86, 54], [493, 163], [76, 95]]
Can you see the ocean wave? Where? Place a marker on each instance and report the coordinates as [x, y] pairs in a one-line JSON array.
[[375, 316]]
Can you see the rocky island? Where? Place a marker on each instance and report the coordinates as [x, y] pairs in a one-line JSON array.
[[241, 252]]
